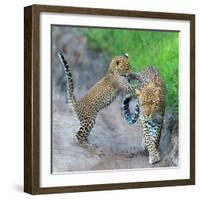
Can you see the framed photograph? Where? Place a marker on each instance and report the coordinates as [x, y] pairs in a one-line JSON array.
[[109, 99]]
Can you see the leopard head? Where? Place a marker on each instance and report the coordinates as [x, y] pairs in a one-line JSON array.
[[150, 97], [120, 66]]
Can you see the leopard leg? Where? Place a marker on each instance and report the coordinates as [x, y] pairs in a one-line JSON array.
[[154, 156], [159, 130], [83, 133], [144, 144], [155, 130]]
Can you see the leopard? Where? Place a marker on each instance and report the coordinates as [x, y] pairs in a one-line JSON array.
[[150, 109], [100, 95]]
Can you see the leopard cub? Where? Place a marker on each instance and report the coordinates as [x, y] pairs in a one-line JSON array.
[[100, 95]]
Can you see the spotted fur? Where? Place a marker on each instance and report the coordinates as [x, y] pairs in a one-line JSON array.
[[151, 105], [100, 95]]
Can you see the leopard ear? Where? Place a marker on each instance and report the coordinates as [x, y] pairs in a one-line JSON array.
[[126, 55], [137, 92]]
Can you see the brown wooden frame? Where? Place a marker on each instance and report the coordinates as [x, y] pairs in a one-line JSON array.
[[32, 104]]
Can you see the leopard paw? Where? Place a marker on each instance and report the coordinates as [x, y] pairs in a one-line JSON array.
[[154, 160]]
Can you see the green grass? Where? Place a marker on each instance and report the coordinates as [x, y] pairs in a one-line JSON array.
[[145, 48]]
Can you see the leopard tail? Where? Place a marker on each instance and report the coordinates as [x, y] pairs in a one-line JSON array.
[[130, 117], [70, 86]]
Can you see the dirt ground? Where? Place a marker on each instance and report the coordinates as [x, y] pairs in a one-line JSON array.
[[119, 144]]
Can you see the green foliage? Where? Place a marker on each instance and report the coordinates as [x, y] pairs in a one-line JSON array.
[[145, 48]]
